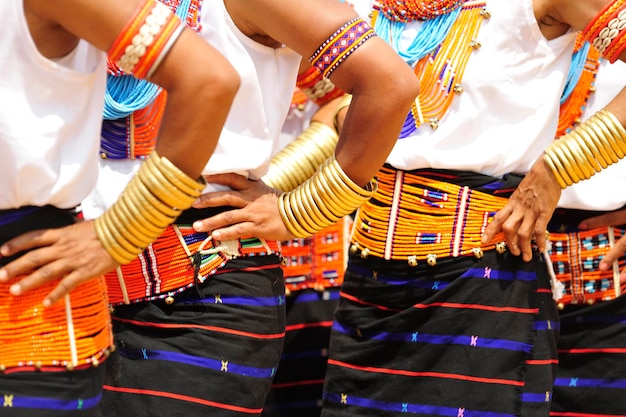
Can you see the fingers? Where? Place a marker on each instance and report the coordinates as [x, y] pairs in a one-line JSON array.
[[219, 221], [28, 263], [612, 256], [27, 241], [234, 232], [610, 219], [495, 226], [220, 199], [67, 284], [234, 181]]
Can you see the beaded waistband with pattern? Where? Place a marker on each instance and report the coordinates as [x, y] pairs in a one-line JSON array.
[[319, 261], [178, 259], [575, 258], [414, 218]]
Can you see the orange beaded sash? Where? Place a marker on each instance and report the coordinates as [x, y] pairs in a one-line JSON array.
[[71, 334], [319, 261], [177, 260], [413, 218], [575, 258]]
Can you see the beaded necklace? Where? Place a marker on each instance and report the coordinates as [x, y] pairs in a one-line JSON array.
[[133, 107], [439, 52], [409, 10], [579, 85]]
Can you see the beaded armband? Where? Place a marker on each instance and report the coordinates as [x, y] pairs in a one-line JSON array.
[[153, 199], [607, 29], [318, 89], [146, 39], [347, 39], [322, 200], [592, 146]]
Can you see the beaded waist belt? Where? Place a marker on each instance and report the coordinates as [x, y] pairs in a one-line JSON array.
[[575, 258], [319, 261], [177, 260], [413, 218], [71, 334]]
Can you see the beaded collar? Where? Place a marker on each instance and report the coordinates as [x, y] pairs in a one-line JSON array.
[[410, 10]]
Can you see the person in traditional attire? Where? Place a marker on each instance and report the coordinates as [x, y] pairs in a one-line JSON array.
[[55, 330]]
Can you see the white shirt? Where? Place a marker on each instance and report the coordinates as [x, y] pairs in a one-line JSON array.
[[252, 130], [50, 117], [508, 111]]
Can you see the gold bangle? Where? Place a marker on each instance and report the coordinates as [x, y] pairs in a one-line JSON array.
[[603, 146], [109, 243], [555, 172], [316, 199], [124, 244], [610, 133], [140, 215], [579, 158], [590, 144], [301, 214], [320, 201], [311, 208], [163, 191], [568, 162], [171, 170], [587, 153], [168, 179], [288, 218], [616, 128], [137, 233], [299, 160], [144, 197], [558, 166], [344, 102]]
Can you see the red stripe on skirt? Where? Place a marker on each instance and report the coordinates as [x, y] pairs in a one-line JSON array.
[[427, 374]]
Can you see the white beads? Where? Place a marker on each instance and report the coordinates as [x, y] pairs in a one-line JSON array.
[[610, 32], [153, 25]]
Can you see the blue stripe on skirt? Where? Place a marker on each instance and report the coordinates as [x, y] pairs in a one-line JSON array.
[[214, 351], [477, 345]]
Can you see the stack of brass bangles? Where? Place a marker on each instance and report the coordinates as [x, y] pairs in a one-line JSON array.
[[298, 161], [322, 200], [590, 147], [152, 200]]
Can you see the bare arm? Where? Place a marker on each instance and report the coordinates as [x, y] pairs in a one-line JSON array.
[[382, 84], [195, 75]]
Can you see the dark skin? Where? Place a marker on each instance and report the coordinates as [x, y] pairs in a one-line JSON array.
[[375, 75], [382, 85], [526, 216], [193, 73]]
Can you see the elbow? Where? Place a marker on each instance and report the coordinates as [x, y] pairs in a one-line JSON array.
[[223, 84], [404, 88]]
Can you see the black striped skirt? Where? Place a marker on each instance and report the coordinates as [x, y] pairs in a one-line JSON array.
[[466, 337], [213, 351]]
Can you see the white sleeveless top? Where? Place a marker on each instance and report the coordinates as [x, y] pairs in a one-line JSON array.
[[508, 111], [606, 190], [50, 116], [251, 133]]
